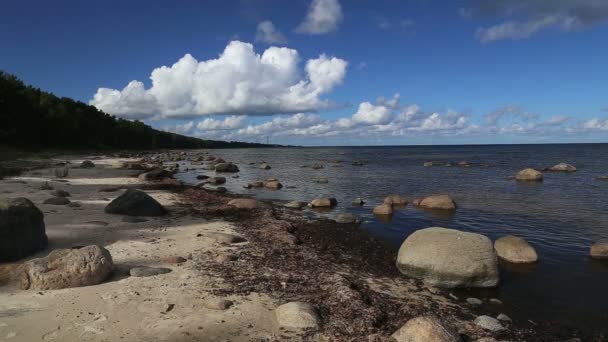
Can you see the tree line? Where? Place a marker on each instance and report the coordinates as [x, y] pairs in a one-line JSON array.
[[34, 119]]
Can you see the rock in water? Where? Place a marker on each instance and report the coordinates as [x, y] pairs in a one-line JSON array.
[[563, 167], [383, 210], [87, 164], [395, 200], [323, 203], [358, 201], [297, 315], [264, 166], [273, 184], [226, 167], [244, 203], [135, 203], [529, 175], [438, 202], [515, 250], [22, 230], [449, 258], [425, 329], [346, 218], [64, 268], [599, 250], [295, 205], [155, 174]]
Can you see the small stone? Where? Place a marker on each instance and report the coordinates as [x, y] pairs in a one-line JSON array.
[[489, 323], [226, 238], [295, 205], [297, 315], [60, 193], [57, 201], [383, 210], [323, 202], [87, 164], [504, 318], [265, 166], [144, 271], [217, 303], [474, 301], [222, 258], [173, 260], [346, 218], [495, 301], [74, 205], [358, 201]]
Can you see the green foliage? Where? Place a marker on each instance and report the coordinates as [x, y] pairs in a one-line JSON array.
[[31, 118]]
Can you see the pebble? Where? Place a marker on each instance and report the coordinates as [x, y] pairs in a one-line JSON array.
[[495, 301], [217, 303], [504, 318], [489, 323], [474, 301]]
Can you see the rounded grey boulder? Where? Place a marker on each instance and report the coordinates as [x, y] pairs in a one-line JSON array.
[[64, 268], [22, 230], [529, 175], [423, 329], [515, 250], [135, 203], [449, 258]]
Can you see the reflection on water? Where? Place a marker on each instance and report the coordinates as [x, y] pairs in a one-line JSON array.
[[561, 217]]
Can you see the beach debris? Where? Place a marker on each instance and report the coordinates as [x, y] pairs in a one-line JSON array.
[[357, 163], [135, 203], [529, 175], [425, 328], [298, 315], [65, 268], [515, 250], [320, 180], [449, 258], [22, 229]]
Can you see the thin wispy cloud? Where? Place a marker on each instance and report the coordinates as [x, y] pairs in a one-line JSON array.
[[324, 16]]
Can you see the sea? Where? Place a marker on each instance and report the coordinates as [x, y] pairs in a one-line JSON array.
[[561, 217]]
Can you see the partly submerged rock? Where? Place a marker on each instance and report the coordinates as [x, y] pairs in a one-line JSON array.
[[529, 175], [22, 230], [226, 167], [395, 200], [295, 205], [297, 315], [449, 258], [563, 167], [383, 209], [135, 203], [599, 250], [60, 193], [438, 202], [515, 250], [323, 203], [358, 201], [425, 329], [346, 218], [64, 268]]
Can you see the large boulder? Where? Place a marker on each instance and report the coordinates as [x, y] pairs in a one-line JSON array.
[[449, 258], [297, 315], [22, 230], [563, 167], [226, 167], [135, 203], [529, 175], [599, 250], [438, 202], [395, 200], [515, 250], [64, 268], [425, 329]]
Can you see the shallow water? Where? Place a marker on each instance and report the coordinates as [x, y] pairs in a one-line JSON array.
[[561, 217]]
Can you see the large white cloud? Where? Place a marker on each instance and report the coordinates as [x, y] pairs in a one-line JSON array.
[[239, 81], [323, 16]]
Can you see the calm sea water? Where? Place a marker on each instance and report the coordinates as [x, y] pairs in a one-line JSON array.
[[561, 217]]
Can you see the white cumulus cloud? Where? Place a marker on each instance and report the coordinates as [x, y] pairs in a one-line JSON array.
[[239, 81], [323, 16]]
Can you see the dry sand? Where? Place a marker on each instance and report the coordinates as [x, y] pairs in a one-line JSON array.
[[167, 307]]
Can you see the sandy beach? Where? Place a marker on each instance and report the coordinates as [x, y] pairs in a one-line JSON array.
[[219, 291]]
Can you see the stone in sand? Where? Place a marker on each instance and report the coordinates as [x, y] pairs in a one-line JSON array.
[[383, 210], [515, 250], [395, 200], [529, 175], [22, 230], [297, 315], [438, 202], [57, 201], [346, 218], [215, 303], [489, 323], [563, 167], [60, 193], [323, 203], [226, 167], [226, 238], [225, 257], [64, 268], [244, 203], [133, 219], [449, 258], [145, 271], [135, 203], [74, 205], [87, 164], [599, 250], [425, 329]]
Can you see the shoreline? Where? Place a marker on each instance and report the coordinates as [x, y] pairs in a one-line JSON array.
[[359, 293]]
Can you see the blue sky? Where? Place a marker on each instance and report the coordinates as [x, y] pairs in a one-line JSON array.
[[469, 71]]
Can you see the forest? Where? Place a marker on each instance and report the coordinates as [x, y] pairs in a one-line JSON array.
[[34, 119]]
